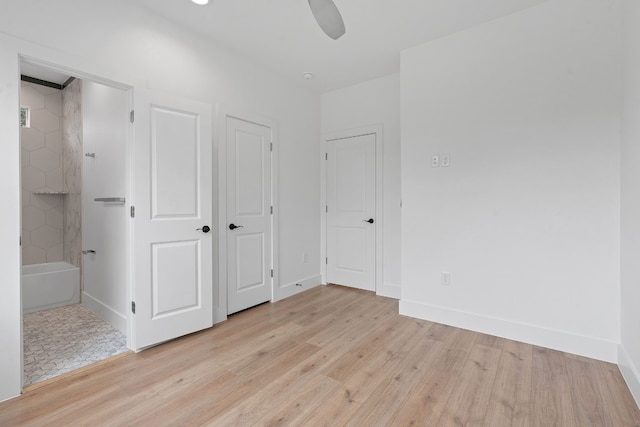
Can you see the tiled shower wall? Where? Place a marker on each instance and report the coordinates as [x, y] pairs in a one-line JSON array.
[[72, 166], [41, 143], [51, 163]]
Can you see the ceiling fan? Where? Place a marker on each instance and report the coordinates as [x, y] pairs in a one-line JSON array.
[[328, 17]]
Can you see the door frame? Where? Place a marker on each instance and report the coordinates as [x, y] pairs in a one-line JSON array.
[[220, 183], [376, 130], [74, 69], [13, 52]]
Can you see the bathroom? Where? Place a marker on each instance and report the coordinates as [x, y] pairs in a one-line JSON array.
[[73, 167]]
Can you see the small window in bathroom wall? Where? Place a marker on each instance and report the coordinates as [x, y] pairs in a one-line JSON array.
[[25, 117]]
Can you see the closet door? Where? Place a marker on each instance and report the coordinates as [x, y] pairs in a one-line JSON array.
[[248, 214], [351, 209]]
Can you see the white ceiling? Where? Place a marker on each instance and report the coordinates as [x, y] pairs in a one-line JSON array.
[[283, 35]]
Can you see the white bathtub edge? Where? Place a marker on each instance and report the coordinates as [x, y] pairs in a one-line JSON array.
[[49, 285], [115, 319], [47, 267]]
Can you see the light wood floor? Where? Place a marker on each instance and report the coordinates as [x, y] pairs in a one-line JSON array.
[[334, 356]]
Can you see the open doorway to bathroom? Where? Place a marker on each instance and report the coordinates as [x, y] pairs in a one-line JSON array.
[[74, 136]]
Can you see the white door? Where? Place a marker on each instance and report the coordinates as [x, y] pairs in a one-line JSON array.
[[351, 207], [248, 214], [173, 253]]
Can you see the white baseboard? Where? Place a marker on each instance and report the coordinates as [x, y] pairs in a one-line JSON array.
[[558, 340], [629, 373], [293, 288], [111, 316], [218, 316], [389, 290]]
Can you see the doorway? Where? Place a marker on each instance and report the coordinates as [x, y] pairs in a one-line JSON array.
[[74, 135], [352, 213], [157, 305]]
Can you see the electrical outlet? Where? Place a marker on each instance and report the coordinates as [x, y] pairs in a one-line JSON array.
[[445, 278], [435, 161], [305, 258]]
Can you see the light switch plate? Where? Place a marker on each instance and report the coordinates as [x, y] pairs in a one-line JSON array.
[[435, 161]]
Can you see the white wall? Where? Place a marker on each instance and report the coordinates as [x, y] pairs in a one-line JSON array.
[[526, 218], [375, 102], [105, 125], [629, 352], [118, 41]]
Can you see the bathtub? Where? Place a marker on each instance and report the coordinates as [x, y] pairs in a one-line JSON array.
[[49, 285]]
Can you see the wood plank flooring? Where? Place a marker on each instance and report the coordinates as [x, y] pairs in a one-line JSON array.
[[333, 356]]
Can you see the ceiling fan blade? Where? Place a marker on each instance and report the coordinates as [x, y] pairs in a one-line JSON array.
[[328, 17]]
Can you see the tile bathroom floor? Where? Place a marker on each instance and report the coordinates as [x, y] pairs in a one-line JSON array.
[[63, 339]]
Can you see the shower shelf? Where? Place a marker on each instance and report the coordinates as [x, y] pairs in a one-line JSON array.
[[51, 193]]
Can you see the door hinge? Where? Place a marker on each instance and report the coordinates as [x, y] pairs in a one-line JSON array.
[[133, 211], [326, 260], [131, 116], [271, 210], [271, 146], [272, 272], [326, 208], [133, 307], [326, 156]]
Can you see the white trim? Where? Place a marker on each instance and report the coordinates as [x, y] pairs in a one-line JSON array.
[[220, 232], [117, 320], [98, 76], [275, 229], [558, 340], [129, 250], [290, 289], [629, 373], [224, 111], [11, 357], [323, 210], [378, 131], [389, 290]]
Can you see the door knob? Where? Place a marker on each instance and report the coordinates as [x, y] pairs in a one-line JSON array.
[[370, 220], [233, 226], [205, 229], [89, 251]]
